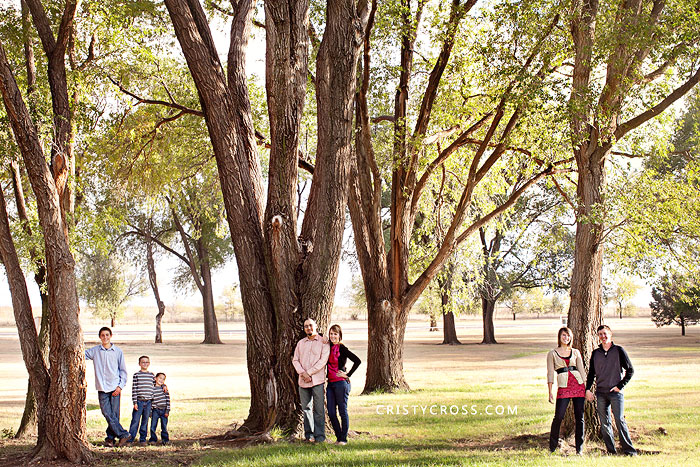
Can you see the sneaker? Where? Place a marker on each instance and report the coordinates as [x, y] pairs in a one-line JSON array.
[[109, 442], [165, 443], [310, 440], [341, 443], [124, 440]]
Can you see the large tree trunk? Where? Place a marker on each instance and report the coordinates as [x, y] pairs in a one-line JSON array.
[[211, 326], [488, 307], [30, 343], [286, 60], [29, 417], [65, 410], [585, 310], [387, 327], [226, 106], [270, 262], [153, 280]]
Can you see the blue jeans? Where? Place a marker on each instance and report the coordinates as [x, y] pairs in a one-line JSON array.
[[337, 394], [109, 405], [159, 414], [142, 414], [616, 402], [314, 417]]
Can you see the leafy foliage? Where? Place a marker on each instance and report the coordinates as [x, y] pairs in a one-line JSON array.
[[676, 301]]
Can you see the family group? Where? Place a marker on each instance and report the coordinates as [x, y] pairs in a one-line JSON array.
[[149, 394], [320, 363]]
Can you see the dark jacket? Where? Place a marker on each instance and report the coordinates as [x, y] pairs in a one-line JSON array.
[[344, 355], [607, 368]]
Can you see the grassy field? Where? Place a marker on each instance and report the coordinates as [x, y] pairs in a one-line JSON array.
[[492, 398]]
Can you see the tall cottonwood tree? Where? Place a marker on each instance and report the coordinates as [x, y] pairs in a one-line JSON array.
[[62, 424], [284, 276], [640, 43], [482, 139]]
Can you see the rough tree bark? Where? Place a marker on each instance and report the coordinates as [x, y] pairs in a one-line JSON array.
[[29, 417], [283, 279], [62, 142], [30, 343], [65, 434]]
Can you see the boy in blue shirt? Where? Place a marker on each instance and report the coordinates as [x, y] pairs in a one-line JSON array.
[[110, 379]]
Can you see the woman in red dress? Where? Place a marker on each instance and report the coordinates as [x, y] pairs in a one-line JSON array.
[[566, 364]]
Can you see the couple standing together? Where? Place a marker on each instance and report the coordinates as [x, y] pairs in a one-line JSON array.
[[610, 368], [316, 357]]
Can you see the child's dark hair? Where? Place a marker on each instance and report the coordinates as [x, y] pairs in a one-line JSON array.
[[104, 328], [144, 356], [158, 374]]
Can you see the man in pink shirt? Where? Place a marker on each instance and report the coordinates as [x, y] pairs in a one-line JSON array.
[[310, 358]]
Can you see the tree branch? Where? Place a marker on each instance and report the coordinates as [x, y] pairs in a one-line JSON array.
[[143, 100], [679, 92]]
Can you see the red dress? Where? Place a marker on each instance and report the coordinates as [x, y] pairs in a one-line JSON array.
[[573, 387]]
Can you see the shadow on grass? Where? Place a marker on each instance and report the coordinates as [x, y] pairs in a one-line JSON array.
[[526, 449], [377, 452]]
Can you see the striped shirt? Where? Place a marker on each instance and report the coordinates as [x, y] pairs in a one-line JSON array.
[[161, 399], [142, 386]]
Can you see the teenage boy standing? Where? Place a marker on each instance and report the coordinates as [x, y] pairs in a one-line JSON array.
[[110, 379]]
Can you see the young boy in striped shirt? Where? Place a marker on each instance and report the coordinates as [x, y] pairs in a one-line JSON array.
[[141, 396], [160, 411]]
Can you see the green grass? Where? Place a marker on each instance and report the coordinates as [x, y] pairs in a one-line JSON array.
[[662, 407], [483, 439]]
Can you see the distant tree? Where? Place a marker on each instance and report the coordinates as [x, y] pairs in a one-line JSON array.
[[530, 247], [229, 297], [557, 304], [623, 290], [355, 293], [675, 302], [106, 285]]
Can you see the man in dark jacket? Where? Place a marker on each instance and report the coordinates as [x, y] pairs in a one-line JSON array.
[[611, 368]]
